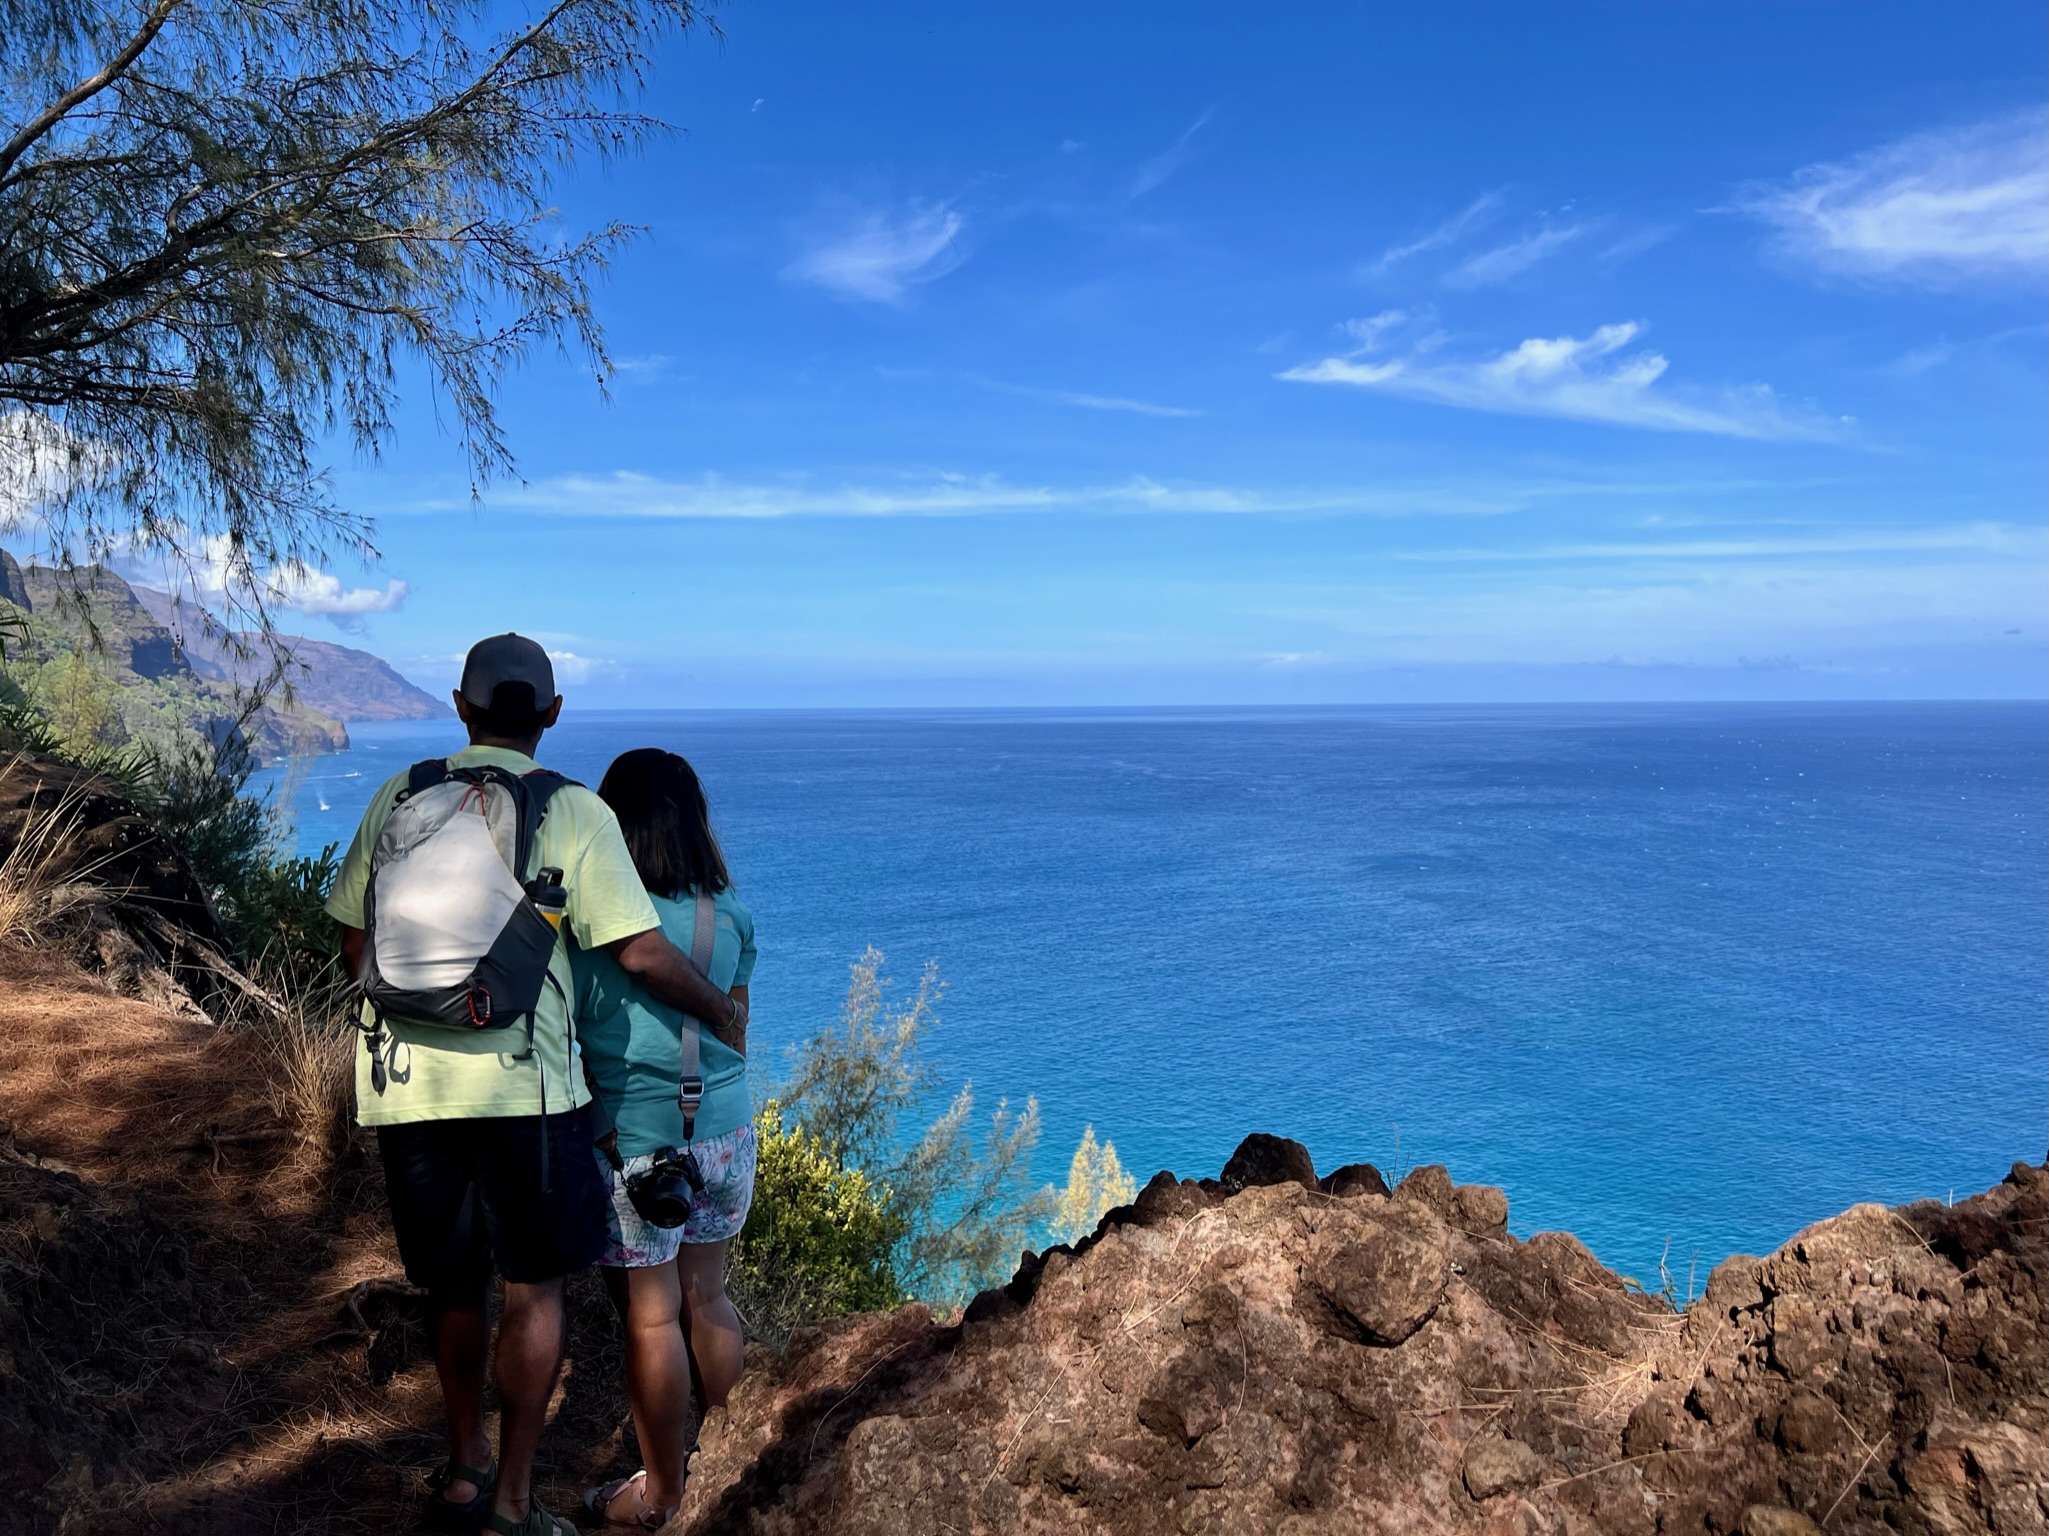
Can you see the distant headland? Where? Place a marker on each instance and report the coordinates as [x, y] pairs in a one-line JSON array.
[[119, 661]]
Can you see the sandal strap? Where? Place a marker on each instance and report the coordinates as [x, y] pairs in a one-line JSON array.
[[600, 1498], [538, 1522], [453, 1471]]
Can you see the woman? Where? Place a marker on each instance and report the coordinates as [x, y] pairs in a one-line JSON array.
[[669, 1283]]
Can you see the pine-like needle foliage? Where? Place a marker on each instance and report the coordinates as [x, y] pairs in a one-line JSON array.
[[224, 224], [964, 1203], [1096, 1183]]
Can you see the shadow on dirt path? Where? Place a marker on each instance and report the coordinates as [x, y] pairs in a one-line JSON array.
[[203, 1328]]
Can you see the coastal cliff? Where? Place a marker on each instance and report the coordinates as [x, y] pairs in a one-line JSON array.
[[338, 680], [1270, 1354], [159, 667], [85, 646]]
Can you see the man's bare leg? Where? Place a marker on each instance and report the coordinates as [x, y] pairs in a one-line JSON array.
[[462, 1337], [529, 1359]]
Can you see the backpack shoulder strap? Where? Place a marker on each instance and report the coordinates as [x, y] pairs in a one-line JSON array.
[[426, 775], [542, 785], [535, 790]]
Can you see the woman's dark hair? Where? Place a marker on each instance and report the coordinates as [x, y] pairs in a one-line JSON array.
[[662, 810]]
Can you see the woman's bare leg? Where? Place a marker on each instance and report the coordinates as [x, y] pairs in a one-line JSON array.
[[657, 1377], [718, 1348]]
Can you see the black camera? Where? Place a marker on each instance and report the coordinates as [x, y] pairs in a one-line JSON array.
[[662, 1191]]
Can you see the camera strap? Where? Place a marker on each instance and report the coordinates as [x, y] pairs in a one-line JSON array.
[[690, 1093]]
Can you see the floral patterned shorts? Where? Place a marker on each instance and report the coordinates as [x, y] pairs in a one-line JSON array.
[[727, 1163]]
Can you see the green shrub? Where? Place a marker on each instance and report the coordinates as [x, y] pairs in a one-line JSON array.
[[819, 1239], [964, 1206], [280, 921], [81, 701], [194, 791]]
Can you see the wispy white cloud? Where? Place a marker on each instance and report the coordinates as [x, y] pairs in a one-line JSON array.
[[644, 367], [883, 255], [1507, 261], [1637, 241], [1118, 403], [1921, 359], [1367, 333], [1938, 207], [1981, 538], [1090, 402], [576, 667], [932, 494], [323, 594], [1292, 658], [1479, 212], [1580, 378], [1155, 172], [629, 495]]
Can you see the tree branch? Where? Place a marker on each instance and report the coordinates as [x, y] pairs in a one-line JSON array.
[[86, 89]]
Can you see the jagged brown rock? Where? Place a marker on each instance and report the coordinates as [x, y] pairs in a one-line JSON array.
[[1353, 1179], [1264, 1159], [1285, 1360]]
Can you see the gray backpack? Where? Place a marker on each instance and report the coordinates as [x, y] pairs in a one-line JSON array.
[[456, 933]]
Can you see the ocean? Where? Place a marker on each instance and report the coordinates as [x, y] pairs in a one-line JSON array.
[[1681, 979]]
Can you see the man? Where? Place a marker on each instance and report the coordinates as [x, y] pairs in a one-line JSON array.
[[480, 1178]]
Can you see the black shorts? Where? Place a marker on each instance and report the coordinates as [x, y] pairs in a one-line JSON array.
[[467, 1197]]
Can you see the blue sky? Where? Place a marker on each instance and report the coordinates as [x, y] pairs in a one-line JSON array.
[[1005, 354]]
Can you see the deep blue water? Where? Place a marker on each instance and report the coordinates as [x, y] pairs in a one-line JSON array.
[[1697, 973]]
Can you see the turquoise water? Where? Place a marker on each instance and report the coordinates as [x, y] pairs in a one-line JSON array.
[[1697, 973]]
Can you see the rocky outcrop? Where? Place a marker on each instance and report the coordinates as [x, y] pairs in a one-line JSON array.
[[1258, 1354]]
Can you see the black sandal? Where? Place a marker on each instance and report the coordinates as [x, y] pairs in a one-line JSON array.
[[538, 1522], [445, 1514]]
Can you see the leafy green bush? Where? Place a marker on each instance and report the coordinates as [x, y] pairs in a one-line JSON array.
[[280, 920], [819, 1239], [81, 701], [964, 1206], [196, 793]]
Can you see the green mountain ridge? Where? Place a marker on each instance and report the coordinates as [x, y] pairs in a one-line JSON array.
[[337, 680], [96, 655]]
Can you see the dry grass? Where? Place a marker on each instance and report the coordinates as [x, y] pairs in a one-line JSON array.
[[41, 877], [305, 1040]]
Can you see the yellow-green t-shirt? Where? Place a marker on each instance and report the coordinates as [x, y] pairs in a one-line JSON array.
[[445, 1074]]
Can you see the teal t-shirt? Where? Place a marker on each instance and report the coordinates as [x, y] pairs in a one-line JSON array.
[[633, 1044]]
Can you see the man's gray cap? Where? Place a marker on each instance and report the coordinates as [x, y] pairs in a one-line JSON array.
[[507, 659]]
